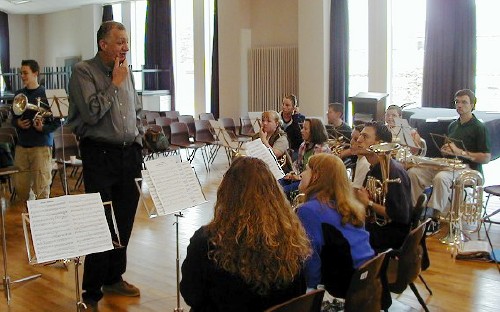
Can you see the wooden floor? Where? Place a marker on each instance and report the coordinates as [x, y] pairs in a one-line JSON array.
[[457, 285]]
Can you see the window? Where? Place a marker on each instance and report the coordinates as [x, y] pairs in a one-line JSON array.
[[358, 46], [488, 45], [407, 51]]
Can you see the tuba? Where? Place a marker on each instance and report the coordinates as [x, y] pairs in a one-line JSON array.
[[466, 207], [377, 188], [20, 106]]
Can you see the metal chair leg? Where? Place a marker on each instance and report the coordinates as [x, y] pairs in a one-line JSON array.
[[419, 298]]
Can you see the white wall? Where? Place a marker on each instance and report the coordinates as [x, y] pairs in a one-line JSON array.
[[274, 23], [49, 38], [314, 31]]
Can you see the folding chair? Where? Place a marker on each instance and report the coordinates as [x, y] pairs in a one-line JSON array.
[[180, 138]]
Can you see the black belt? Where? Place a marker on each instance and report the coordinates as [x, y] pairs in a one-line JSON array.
[[102, 144]]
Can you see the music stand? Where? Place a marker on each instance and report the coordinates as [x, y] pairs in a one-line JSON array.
[[455, 233], [87, 211], [59, 106], [172, 186], [6, 279]]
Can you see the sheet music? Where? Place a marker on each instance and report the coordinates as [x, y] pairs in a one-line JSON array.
[[403, 132], [258, 150], [255, 118], [174, 183], [68, 226], [58, 102], [160, 210]]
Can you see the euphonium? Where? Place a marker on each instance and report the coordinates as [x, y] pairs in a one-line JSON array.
[[20, 106], [466, 209], [377, 188]]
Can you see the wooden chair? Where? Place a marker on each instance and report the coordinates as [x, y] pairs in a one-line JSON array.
[[365, 289], [310, 302], [405, 264]]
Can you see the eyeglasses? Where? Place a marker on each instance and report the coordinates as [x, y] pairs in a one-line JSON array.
[[461, 102]]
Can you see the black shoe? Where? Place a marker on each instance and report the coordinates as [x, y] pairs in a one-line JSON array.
[[90, 304], [433, 227]]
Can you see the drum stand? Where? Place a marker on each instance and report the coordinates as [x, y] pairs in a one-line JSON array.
[[6, 279]]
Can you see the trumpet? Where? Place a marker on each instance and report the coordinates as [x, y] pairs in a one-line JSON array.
[[20, 106], [377, 188]]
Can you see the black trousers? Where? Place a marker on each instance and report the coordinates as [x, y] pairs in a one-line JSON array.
[[110, 170]]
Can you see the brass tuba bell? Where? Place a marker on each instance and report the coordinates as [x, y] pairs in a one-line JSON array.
[[377, 188], [20, 106]]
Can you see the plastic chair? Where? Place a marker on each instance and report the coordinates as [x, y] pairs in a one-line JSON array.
[[65, 146], [206, 116], [164, 122], [189, 121], [180, 138], [10, 130], [246, 128], [204, 133], [405, 264], [310, 302], [150, 117], [174, 115]]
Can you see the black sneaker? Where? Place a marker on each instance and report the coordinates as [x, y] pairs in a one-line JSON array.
[[432, 228]]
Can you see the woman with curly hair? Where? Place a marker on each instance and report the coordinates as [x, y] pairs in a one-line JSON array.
[[251, 255], [334, 221]]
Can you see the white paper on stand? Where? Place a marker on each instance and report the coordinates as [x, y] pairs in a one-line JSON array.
[[174, 185], [68, 226]]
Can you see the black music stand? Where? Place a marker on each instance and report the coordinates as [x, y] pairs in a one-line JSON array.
[[164, 201], [6, 279], [59, 106]]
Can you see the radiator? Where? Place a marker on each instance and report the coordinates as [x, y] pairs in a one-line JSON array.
[[273, 73]]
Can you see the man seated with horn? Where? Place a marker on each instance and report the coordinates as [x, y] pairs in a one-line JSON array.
[[394, 205], [474, 135]]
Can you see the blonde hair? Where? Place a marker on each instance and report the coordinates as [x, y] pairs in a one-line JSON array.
[[272, 115], [254, 232], [331, 183]]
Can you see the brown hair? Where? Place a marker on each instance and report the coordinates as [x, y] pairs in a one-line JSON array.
[[332, 184], [318, 131], [254, 232]]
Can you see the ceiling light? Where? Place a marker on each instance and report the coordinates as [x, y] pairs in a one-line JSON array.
[[19, 1]]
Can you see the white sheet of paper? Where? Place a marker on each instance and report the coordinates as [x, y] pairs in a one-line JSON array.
[[403, 130], [68, 226], [58, 102], [255, 118], [258, 150], [174, 183]]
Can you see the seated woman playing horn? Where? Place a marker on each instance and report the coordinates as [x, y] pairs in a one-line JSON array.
[[334, 221], [251, 255]]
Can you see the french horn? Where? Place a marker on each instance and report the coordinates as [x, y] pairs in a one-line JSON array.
[[21, 106]]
